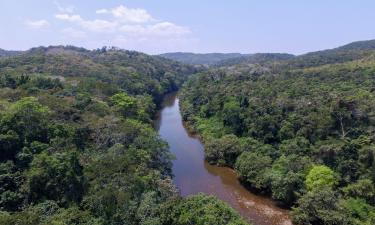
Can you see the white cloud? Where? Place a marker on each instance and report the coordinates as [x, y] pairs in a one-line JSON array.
[[70, 18], [64, 9], [37, 24], [162, 29], [102, 11], [128, 15], [119, 39], [149, 29], [133, 29], [99, 25], [168, 29], [71, 32], [92, 25], [126, 27]]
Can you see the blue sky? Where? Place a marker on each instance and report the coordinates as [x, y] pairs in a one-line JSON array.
[[157, 26]]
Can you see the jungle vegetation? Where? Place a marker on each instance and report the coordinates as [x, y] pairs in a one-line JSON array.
[[77, 144], [300, 129], [202, 58]]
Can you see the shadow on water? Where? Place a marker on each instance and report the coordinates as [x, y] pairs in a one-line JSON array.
[[192, 174]]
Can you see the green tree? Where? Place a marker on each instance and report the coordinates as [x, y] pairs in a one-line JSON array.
[[125, 104], [72, 216], [232, 117], [28, 118], [223, 151], [9, 145], [56, 177], [11, 193], [359, 212], [320, 206], [297, 146], [252, 167], [287, 177], [320, 176], [201, 210], [363, 188]]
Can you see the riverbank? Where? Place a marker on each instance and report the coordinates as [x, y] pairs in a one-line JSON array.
[[192, 174]]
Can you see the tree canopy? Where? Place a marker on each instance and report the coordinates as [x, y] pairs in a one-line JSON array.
[[308, 121], [77, 145]]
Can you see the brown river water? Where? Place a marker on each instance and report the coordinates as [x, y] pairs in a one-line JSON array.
[[192, 174]]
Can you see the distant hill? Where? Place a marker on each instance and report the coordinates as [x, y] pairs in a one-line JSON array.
[[304, 114], [345, 53], [203, 59], [256, 58], [135, 72], [353, 51], [76, 127], [8, 53], [358, 45]]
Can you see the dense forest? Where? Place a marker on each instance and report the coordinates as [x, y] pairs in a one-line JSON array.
[[300, 129], [77, 144], [258, 58], [5, 53], [224, 59], [202, 58]]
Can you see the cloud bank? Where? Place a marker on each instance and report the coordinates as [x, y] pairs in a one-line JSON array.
[[131, 28], [132, 22], [37, 24]]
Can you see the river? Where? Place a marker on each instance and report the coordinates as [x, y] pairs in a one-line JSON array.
[[192, 174]]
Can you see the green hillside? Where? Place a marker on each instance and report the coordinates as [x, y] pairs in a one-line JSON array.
[[299, 130], [203, 58], [4, 53], [77, 144]]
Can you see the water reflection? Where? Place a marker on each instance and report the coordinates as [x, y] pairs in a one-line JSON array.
[[193, 174]]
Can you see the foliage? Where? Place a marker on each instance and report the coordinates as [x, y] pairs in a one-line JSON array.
[[77, 144], [319, 207], [252, 167], [311, 122], [125, 104], [24, 122], [200, 210], [359, 211], [287, 177], [225, 150], [206, 59], [58, 177], [363, 189], [319, 177]]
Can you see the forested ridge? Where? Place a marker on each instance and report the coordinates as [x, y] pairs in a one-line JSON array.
[[4, 53], [201, 58], [77, 144], [300, 129]]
